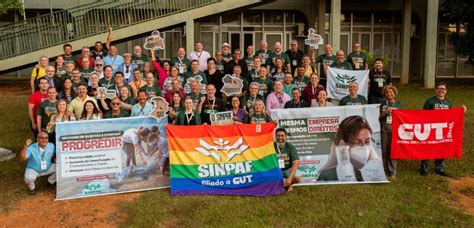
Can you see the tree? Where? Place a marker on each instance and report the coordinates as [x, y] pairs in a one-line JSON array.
[[6, 5], [461, 12]]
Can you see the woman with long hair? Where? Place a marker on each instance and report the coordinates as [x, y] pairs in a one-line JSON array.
[[90, 111], [278, 71], [258, 114], [238, 111], [67, 93], [61, 115], [352, 149], [175, 107], [60, 67]]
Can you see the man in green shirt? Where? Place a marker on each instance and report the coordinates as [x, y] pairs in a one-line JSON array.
[[300, 80], [116, 110], [226, 53], [139, 58], [353, 98], [341, 62], [265, 85], [253, 74], [249, 100], [249, 57], [195, 72], [288, 84], [278, 53], [325, 60], [357, 59], [181, 62], [45, 111], [195, 94], [288, 159], [264, 53], [151, 88]]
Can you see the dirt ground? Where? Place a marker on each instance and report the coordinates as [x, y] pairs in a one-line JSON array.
[[42, 211], [463, 190]]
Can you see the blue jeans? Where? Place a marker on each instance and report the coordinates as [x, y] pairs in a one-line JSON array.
[[439, 165]]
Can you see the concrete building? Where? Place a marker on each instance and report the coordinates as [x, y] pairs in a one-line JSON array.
[[412, 34]]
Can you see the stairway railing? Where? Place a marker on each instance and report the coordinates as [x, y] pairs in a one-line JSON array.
[[84, 21]]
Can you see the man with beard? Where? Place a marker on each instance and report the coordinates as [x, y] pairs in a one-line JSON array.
[[288, 160]]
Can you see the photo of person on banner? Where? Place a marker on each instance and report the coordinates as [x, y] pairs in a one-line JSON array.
[[353, 156], [132, 143]]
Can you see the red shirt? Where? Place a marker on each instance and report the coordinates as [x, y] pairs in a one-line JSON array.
[[36, 99], [309, 93], [79, 62], [169, 95]]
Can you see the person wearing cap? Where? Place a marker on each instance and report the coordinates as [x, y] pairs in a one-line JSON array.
[[226, 53], [127, 68], [236, 61], [295, 55], [264, 53]]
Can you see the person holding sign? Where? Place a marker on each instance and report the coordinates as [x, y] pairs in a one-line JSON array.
[[357, 59], [287, 159], [258, 114], [351, 151], [353, 98], [210, 104], [188, 116], [386, 109], [341, 62], [39, 156]]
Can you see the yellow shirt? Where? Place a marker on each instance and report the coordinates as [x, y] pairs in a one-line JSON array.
[[135, 88], [307, 72], [41, 72], [77, 106]]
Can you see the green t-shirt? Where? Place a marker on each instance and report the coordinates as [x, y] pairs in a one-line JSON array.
[[76, 84], [249, 61], [257, 118], [220, 66], [122, 113], [70, 59], [248, 100], [46, 110], [357, 61], [108, 84], [288, 89], [183, 65], [265, 55], [196, 99], [130, 101], [435, 103], [282, 55], [348, 100], [265, 87], [387, 104], [191, 74], [252, 75], [140, 60], [343, 66], [301, 82], [328, 60], [288, 154], [227, 57], [153, 91], [61, 72], [85, 73]]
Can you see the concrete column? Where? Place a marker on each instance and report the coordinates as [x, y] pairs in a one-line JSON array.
[[321, 23], [335, 24], [406, 33], [189, 35], [431, 37]]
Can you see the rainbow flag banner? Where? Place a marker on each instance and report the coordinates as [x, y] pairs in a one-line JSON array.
[[224, 160]]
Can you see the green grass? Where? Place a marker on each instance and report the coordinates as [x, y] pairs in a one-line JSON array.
[[411, 200]]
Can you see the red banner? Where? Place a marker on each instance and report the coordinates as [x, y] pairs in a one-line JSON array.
[[427, 134]]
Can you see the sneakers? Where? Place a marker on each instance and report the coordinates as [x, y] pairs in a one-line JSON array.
[[31, 192]]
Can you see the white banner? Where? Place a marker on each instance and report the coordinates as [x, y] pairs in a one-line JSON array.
[[338, 82], [323, 161]]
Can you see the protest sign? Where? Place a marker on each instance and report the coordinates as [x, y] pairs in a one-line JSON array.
[[314, 40], [427, 134], [154, 42], [338, 82], [222, 118], [198, 79], [110, 156], [313, 130], [104, 93], [223, 160], [160, 107], [232, 85]]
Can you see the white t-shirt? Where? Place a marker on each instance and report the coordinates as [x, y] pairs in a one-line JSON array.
[[130, 136], [201, 57]]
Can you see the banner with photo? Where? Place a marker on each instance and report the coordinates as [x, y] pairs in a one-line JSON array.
[[323, 161], [338, 82], [224, 160], [111, 156], [427, 134]]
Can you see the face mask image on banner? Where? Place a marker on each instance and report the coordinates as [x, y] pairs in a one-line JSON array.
[[359, 156], [344, 168]]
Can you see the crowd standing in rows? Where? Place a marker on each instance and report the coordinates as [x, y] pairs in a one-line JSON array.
[[67, 90]]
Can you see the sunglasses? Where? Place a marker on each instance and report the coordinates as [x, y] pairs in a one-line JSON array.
[[98, 64], [115, 103]]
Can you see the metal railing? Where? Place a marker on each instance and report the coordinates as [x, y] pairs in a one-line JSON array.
[[84, 21]]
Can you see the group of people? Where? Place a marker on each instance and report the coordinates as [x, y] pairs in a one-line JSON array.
[[72, 89]]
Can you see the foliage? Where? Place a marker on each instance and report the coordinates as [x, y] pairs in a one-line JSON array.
[[6, 5], [371, 58], [461, 12]]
